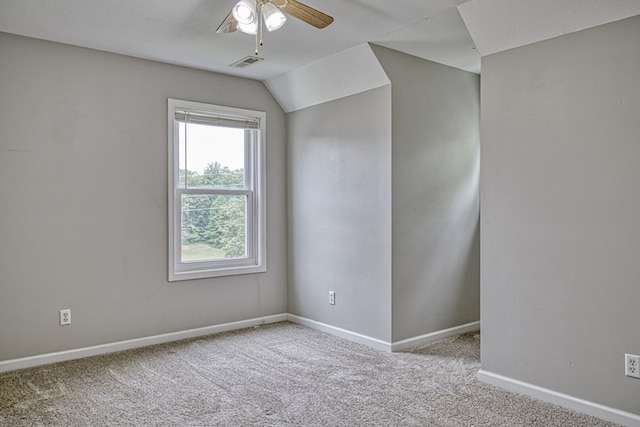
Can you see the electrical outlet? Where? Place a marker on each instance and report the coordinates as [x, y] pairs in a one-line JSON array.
[[332, 298], [632, 365], [65, 317]]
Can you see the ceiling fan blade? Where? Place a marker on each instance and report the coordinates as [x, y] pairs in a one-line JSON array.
[[303, 12], [229, 25]]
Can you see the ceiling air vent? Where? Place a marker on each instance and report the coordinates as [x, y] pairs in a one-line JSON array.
[[246, 61]]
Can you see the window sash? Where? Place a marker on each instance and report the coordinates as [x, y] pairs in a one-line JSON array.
[[214, 191], [253, 191], [251, 140], [250, 232]]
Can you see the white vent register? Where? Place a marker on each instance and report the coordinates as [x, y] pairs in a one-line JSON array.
[[246, 61]]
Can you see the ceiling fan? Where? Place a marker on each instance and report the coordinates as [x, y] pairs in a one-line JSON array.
[[249, 16]]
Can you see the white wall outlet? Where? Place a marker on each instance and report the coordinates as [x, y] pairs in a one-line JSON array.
[[332, 298], [632, 365], [65, 317]]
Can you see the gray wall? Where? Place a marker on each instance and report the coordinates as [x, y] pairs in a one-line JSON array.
[[435, 152], [83, 200], [383, 203], [339, 159], [561, 213]]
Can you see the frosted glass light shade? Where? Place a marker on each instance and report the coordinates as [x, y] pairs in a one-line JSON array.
[[244, 12], [251, 28], [273, 18]]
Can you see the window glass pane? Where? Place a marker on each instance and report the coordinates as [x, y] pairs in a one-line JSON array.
[[182, 166], [216, 212], [213, 227], [211, 156]]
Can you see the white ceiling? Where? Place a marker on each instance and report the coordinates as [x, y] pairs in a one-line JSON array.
[[498, 25], [183, 32]]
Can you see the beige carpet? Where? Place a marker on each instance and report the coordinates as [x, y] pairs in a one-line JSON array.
[[276, 375]]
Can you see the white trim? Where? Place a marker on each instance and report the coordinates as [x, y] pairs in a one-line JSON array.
[[384, 345], [583, 406], [44, 359], [433, 336], [339, 332], [254, 191]]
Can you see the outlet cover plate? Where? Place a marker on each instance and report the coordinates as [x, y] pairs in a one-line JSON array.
[[65, 317], [632, 365]]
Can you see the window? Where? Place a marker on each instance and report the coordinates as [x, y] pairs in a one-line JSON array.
[[216, 191]]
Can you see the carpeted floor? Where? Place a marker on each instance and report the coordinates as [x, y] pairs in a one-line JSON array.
[[275, 375]]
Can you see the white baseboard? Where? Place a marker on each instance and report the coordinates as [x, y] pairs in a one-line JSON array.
[[44, 359], [383, 345], [342, 333], [586, 407], [579, 405], [433, 336]]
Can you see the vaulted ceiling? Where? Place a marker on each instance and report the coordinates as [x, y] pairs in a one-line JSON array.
[[452, 32]]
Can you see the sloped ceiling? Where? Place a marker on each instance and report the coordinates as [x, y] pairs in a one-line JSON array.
[[498, 25], [182, 32]]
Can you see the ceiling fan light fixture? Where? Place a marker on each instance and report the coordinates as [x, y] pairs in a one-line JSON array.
[[273, 18], [251, 28], [245, 12]]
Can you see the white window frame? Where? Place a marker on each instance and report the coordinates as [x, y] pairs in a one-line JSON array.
[[254, 190]]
